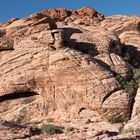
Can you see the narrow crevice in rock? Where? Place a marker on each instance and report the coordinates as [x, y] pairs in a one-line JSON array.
[[109, 94], [132, 105], [16, 95], [81, 109], [6, 49]]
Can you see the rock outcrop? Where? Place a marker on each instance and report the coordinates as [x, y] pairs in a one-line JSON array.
[[64, 64], [120, 24], [62, 13]]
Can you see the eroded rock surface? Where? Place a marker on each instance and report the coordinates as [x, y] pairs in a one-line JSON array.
[[120, 24], [64, 64]]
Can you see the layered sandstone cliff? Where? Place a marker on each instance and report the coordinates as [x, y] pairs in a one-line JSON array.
[[61, 64]]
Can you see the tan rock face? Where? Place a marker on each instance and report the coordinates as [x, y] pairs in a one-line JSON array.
[[62, 13], [60, 68], [136, 109], [83, 16], [120, 23], [64, 65], [133, 125], [131, 38]]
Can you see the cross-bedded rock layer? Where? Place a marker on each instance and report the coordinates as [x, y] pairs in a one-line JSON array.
[[61, 63]]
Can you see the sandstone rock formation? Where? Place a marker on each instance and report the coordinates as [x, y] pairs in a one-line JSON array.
[[131, 38], [119, 24], [64, 64], [64, 13]]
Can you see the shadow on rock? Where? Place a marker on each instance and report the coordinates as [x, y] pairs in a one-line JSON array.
[[84, 47]]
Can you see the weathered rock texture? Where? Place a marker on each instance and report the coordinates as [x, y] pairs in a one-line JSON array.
[[85, 15], [61, 63]]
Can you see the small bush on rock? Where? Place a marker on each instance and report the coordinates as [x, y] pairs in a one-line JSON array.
[[112, 119], [131, 55], [51, 129], [131, 85]]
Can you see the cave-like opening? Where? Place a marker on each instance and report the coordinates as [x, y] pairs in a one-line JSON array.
[[17, 95]]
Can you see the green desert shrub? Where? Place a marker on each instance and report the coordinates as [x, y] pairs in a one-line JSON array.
[[112, 119], [51, 129], [129, 86], [136, 76], [129, 53]]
